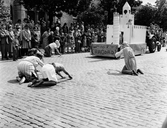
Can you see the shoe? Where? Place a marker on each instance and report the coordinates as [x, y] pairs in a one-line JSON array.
[[18, 78], [31, 83], [22, 80], [70, 77], [134, 73], [139, 71], [37, 83]]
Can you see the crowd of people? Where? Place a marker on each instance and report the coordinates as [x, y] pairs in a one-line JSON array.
[[17, 39]]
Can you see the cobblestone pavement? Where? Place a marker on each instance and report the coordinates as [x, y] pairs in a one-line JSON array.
[[98, 96]]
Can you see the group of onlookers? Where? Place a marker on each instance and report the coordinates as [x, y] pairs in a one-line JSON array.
[[16, 40]]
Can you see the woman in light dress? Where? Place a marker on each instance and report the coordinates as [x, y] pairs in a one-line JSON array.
[[130, 60], [27, 71]]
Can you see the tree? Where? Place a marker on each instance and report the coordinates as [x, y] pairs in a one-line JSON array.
[[145, 15], [92, 16], [4, 11], [111, 6], [55, 7], [161, 14]]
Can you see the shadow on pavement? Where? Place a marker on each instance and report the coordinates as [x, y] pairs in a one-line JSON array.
[[99, 58], [14, 81], [48, 86], [115, 73]]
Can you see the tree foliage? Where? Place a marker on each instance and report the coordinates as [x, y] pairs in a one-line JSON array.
[[113, 5], [157, 14], [92, 16], [4, 11], [145, 15]]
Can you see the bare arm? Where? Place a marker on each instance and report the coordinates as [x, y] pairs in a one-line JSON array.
[[118, 54]]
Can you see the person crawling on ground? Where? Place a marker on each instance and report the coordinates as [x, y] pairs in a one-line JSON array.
[[48, 72], [60, 68], [51, 48]]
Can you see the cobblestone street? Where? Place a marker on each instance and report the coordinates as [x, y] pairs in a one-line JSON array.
[[98, 96]]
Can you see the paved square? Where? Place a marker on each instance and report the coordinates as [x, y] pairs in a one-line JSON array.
[[98, 96]]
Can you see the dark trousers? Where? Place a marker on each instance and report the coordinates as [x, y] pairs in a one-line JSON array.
[[24, 51], [48, 51], [15, 52], [5, 51]]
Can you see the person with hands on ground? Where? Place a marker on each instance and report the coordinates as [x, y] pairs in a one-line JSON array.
[[51, 48], [49, 77], [48, 72], [130, 60], [60, 68], [27, 68]]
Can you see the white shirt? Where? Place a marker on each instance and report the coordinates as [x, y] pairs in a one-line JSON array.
[[48, 71]]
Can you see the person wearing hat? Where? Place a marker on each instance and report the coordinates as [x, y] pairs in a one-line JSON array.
[[49, 49], [27, 71], [129, 58]]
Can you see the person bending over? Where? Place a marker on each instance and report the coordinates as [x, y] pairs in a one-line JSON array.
[[50, 49], [27, 68], [130, 60], [60, 68], [49, 77]]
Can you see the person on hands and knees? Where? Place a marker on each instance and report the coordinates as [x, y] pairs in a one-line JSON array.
[[130, 60], [60, 68], [51, 48], [49, 77]]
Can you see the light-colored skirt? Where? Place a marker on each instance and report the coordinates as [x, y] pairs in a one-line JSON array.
[[48, 71], [26, 67]]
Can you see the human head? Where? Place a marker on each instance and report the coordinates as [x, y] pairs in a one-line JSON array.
[[26, 26], [18, 26], [39, 55], [3, 26], [125, 44], [10, 27]]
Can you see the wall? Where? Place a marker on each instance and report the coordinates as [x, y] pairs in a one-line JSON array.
[[134, 34], [109, 36]]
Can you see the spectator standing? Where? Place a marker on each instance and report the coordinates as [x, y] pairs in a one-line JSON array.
[[51, 37], [77, 36], [71, 41], [45, 39], [63, 42], [36, 36], [25, 38], [65, 28], [4, 34], [11, 40], [16, 44]]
